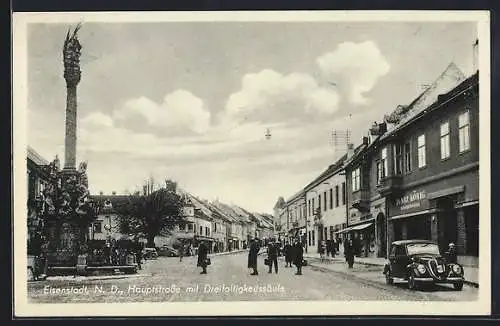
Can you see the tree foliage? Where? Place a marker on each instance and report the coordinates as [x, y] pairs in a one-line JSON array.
[[151, 213]]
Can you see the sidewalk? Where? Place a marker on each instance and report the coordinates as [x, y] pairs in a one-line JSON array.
[[471, 274]]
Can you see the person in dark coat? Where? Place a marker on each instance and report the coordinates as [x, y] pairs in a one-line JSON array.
[[451, 253], [349, 252], [272, 256], [298, 256], [138, 253], [287, 250], [202, 256], [252, 256]]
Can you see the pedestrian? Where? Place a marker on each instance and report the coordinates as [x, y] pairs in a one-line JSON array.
[[349, 252], [322, 249], [252, 256], [138, 252], [298, 257], [451, 253], [272, 256], [203, 257], [287, 250], [181, 251], [36, 249]]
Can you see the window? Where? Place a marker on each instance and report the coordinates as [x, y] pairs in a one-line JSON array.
[[384, 163], [463, 132], [215, 227], [314, 240], [356, 179], [201, 230], [309, 236], [313, 208], [319, 202], [325, 233], [331, 198], [379, 172], [336, 196], [331, 232], [445, 140], [400, 251], [421, 151], [309, 207], [97, 227], [324, 201], [398, 159], [190, 227], [407, 152], [343, 193]]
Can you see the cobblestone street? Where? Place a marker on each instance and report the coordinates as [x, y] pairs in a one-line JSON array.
[[228, 279]]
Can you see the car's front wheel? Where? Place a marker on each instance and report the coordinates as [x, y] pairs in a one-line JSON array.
[[412, 284], [458, 286], [388, 278]]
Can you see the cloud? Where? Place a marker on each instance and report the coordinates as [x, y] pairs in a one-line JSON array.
[[180, 110], [270, 97], [359, 65]]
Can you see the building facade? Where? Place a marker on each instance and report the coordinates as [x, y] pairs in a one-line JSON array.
[[295, 208], [416, 177], [326, 205]]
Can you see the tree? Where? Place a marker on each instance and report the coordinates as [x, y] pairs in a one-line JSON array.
[[151, 213]]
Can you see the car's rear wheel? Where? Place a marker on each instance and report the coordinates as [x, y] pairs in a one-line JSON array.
[[458, 286], [388, 278], [412, 284]]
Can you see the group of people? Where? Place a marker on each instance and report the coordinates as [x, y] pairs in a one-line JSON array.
[[294, 253]]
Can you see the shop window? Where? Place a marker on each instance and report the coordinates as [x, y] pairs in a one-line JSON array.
[[398, 159], [463, 132], [445, 140], [343, 193], [421, 151], [407, 153], [356, 179]]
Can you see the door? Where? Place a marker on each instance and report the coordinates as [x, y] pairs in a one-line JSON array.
[[392, 259], [401, 260]]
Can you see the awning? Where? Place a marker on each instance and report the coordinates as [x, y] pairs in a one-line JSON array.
[[357, 227], [446, 192], [427, 211]]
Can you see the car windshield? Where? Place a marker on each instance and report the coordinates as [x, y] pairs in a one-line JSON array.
[[422, 248]]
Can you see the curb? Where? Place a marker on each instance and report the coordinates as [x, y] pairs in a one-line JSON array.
[[93, 278], [470, 283]]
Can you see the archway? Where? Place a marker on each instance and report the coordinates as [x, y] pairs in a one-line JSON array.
[[381, 235]]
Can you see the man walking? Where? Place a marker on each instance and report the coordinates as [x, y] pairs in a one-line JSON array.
[[287, 250], [252, 256], [298, 257], [272, 256], [202, 257]]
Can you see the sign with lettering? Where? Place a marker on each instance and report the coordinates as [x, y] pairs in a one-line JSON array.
[[412, 201]]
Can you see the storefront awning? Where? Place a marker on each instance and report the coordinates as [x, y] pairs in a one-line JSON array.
[[357, 227]]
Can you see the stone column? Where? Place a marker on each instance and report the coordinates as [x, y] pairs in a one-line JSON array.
[[70, 136]]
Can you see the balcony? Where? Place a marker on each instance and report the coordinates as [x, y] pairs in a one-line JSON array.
[[361, 200], [390, 185]]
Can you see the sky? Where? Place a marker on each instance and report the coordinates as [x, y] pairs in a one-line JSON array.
[[191, 101]]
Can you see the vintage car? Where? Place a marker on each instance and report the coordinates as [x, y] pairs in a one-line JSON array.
[[149, 253], [167, 251], [420, 262]]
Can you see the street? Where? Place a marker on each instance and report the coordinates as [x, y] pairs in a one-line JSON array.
[[228, 279]]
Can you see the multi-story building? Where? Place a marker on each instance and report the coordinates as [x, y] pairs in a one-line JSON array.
[[418, 176], [295, 208], [326, 205]]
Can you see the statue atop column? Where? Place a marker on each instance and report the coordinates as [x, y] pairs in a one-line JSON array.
[[71, 57]]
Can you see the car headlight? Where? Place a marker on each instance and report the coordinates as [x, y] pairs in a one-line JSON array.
[[456, 269], [421, 269]]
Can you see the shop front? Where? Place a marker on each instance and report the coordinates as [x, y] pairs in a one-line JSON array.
[[439, 213], [363, 238]]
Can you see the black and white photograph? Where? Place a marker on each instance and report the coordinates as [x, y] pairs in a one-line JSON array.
[[252, 163]]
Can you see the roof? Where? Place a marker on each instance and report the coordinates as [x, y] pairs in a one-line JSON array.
[[113, 199], [35, 157], [331, 170], [360, 149], [449, 79], [405, 242]]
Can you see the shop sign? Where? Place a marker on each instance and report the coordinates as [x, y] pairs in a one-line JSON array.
[[411, 201]]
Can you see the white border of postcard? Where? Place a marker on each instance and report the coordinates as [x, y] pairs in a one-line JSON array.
[[24, 309]]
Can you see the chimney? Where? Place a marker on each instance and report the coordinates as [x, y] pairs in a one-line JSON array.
[[350, 150]]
